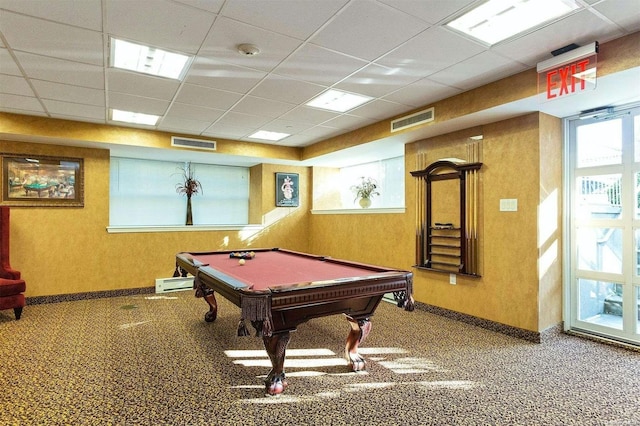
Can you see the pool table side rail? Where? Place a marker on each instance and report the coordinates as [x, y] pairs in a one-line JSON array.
[[336, 290], [228, 287]]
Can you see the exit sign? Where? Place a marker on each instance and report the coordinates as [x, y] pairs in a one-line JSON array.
[[568, 79]]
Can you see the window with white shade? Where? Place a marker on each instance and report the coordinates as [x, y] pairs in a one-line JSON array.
[[143, 193]]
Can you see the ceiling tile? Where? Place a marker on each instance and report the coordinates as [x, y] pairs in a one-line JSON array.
[[7, 64], [61, 71], [305, 114], [321, 131], [125, 102], [285, 126], [141, 85], [160, 23], [176, 124], [208, 5], [285, 89], [20, 104], [318, 65], [357, 31], [220, 75], [206, 97], [376, 81], [625, 13], [292, 18], [68, 109], [221, 130], [422, 92], [42, 37], [261, 106], [432, 11], [486, 66], [223, 40], [351, 122], [178, 110], [66, 93], [440, 49], [14, 85], [237, 119], [83, 14], [299, 140], [379, 109]]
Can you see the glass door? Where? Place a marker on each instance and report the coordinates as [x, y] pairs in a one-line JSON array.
[[603, 227]]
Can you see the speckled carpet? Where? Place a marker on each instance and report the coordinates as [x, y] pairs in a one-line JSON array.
[[152, 360]]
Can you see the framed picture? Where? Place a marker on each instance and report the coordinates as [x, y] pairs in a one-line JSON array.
[[38, 181], [287, 190]]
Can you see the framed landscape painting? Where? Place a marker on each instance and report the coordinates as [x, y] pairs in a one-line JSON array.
[[32, 181]]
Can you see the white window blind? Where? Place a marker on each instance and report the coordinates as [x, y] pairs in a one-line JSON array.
[[143, 193]]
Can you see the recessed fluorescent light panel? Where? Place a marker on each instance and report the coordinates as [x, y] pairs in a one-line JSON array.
[[148, 60], [269, 136], [497, 20], [336, 100], [134, 117]]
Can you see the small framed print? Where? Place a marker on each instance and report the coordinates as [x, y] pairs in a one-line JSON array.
[[38, 181], [287, 190]]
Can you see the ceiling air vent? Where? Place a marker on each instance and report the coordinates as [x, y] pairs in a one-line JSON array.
[[412, 120], [193, 143]]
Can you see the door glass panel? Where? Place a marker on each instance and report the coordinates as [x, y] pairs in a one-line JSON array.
[[599, 196], [636, 132], [637, 254], [599, 143], [637, 313], [637, 194], [600, 303], [600, 249]]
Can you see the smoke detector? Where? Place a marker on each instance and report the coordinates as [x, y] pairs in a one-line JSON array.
[[248, 49]]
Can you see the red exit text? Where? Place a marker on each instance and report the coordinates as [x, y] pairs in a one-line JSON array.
[[568, 79]]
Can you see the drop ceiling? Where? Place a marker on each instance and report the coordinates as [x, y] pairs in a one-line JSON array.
[[54, 57]]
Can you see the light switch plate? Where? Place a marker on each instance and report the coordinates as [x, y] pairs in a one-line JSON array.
[[509, 205]]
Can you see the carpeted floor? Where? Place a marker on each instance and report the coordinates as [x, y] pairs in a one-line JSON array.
[[152, 360]]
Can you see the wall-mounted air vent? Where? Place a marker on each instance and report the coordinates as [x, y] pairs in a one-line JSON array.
[[193, 143], [413, 120]]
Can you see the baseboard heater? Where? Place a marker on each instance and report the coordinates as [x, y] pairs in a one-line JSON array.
[[165, 285]]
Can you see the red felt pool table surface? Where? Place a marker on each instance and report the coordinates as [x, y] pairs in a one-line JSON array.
[[277, 268]]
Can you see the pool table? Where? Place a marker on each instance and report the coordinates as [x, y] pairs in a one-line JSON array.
[[279, 289], [38, 187]]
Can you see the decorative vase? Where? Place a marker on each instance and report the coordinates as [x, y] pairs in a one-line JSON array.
[[189, 213], [365, 203]]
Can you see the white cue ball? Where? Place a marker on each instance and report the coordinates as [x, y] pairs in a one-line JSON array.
[[241, 261]]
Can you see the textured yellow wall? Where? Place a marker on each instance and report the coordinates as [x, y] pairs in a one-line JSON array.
[[550, 243], [509, 288], [68, 250], [379, 239]]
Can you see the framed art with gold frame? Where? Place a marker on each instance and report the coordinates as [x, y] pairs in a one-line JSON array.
[[42, 181]]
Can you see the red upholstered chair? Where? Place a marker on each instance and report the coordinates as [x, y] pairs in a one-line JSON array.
[[12, 288]]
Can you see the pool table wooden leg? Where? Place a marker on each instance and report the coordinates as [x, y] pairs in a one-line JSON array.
[[207, 294], [276, 346], [359, 331]]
